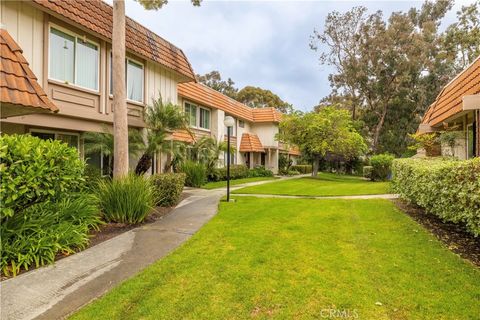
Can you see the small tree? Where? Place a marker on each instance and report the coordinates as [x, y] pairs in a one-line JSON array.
[[328, 131], [450, 138], [161, 119]]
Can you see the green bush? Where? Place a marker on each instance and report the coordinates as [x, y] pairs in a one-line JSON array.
[[126, 200], [381, 166], [169, 187], [34, 170], [33, 237], [367, 172], [237, 171], [446, 188], [260, 171], [196, 173], [302, 168]]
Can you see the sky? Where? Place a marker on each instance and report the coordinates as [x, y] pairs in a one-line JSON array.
[[259, 43]]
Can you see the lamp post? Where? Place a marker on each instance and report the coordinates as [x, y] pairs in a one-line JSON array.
[[229, 123]]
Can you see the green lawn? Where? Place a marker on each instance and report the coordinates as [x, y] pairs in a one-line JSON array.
[[265, 258], [325, 184], [223, 184]]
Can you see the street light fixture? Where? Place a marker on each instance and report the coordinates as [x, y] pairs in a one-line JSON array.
[[229, 123]]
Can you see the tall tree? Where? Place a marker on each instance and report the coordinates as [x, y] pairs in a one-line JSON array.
[[383, 67], [120, 122], [329, 131], [256, 97], [214, 80], [462, 38]]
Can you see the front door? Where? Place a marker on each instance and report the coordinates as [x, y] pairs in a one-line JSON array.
[[247, 159]]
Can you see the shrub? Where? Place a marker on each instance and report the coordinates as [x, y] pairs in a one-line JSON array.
[[260, 171], [168, 187], [196, 173], [237, 171], [34, 170], [302, 168], [367, 172], [126, 200], [381, 166], [446, 188], [36, 235], [284, 163]]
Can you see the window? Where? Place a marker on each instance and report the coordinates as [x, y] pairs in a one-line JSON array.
[[241, 124], [204, 118], [191, 112], [73, 60], [70, 139], [134, 81], [133, 77], [470, 141]]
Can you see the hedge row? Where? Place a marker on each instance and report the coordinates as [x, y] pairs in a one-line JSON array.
[[449, 189], [239, 171], [302, 168], [169, 187]]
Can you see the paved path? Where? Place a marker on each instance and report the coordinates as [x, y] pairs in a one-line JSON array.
[[369, 196], [55, 291]]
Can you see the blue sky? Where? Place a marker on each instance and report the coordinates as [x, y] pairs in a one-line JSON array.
[[259, 43]]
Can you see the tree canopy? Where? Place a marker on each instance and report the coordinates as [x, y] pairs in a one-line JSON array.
[[328, 131], [254, 97], [389, 70]]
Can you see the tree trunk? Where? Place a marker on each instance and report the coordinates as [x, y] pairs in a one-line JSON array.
[[316, 165], [378, 129], [144, 164], [120, 124]]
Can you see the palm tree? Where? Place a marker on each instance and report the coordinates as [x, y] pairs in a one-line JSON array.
[[120, 123], [207, 150], [96, 142], [161, 119]]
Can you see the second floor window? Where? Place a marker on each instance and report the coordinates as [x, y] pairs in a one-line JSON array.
[[133, 78], [191, 112], [204, 118], [73, 60]]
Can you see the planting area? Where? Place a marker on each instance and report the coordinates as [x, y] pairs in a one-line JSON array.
[[295, 258], [325, 184]]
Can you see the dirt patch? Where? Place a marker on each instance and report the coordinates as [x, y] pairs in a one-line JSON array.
[[454, 236]]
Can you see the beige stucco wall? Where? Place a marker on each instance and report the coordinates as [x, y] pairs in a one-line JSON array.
[[266, 132]]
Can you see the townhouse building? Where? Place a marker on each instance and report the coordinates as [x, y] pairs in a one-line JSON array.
[[66, 45]]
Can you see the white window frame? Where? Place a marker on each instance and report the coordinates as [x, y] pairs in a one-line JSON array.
[[55, 133], [209, 120], [197, 114], [110, 88], [76, 36]]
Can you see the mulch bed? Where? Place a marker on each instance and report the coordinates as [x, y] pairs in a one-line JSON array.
[[454, 236]]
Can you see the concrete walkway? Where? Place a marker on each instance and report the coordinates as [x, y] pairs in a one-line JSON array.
[[56, 291]]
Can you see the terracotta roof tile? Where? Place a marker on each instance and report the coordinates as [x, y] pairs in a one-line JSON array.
[[96, 16], [18, 84], [251, 143], [200, 93], [449, 101], [266, 115], [182, 135]]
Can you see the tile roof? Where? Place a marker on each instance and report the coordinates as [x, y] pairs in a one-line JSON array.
[[266, 115], [182, 135], [294, 151], [18, 84], [251, 143], [449, 101], [96, 16], [200, 93]]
